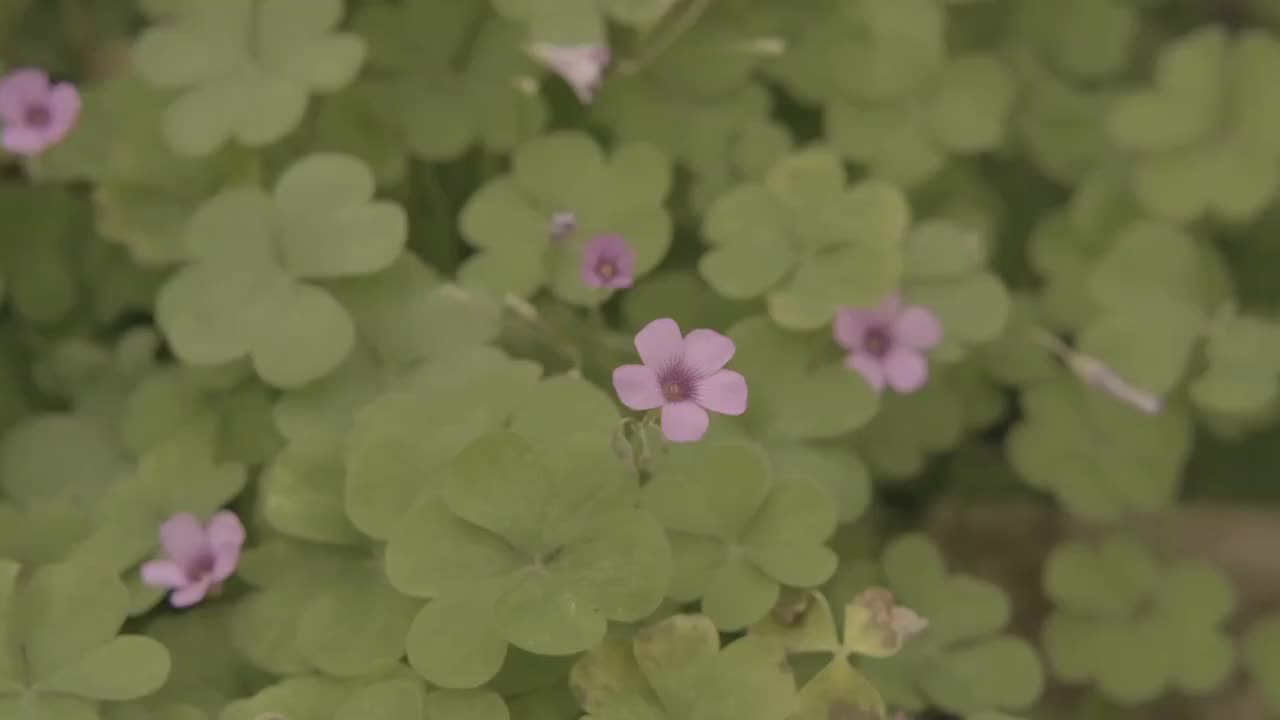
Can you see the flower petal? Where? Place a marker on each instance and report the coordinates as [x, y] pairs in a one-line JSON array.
[[21, 140], [225, 530], [64, 109], [637, 387], [20, 88], [191, 594], [917, 327], [706, 351], [850, 327], [660, 343], [724, 392], [684, 422], [906, 369], [868, 367], [163, 574], [184, 539]]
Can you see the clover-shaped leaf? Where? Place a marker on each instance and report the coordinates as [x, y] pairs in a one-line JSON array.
[[508, 218], [401, 443], [909, 429], [59, 456], [1099, 457], [533, 548], [444, 86], [246, 68], [806, 240], [36, 278], [580, 21], [1088, 40], [302, 696], [1132, 627], [249, 290], [676, 670], [62, 621], [1262, 656], [736, 536], [1204, 137], [945, 270], [810, 395], [961, 661], [1243, 354]]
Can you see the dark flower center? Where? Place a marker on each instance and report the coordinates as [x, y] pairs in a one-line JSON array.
[[678, 383], [201, 565], [38, 116], [877, 342], [607, 269]]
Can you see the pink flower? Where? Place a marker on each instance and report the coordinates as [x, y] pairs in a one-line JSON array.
[[581, 66], [199, 557], [684, 376], [35, 113], [608, 262], [886, 344]]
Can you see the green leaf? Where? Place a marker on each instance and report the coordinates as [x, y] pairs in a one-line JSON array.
[[245, 68], [126, 667], [1262, 656], [453, 643], [391, 700], [466, 705], [358, 629], [64, 613]]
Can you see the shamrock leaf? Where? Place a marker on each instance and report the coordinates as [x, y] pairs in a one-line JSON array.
[[249, 290], [143, 191], [1204, 138], [1243, 354], [566, 22], [445, 86], [62, 621], [36, 279], [960, 662], [809, 396], [403, 441], [1133, 628], [1262, 656], [736, 536], [246, 68], [676, 670], [838, 687], [1099, 457], [805, 240], [944, 270], [59, 456], [508, 218], [1087, 40], [301, 697], [533, 548]]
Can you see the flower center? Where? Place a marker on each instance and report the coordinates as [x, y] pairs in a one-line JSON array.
[[606, 269], [679, 383], [876, 342], [201, 565], [674, 392], [37, 116]]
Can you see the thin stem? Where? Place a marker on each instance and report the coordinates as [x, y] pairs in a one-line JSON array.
[[444, 245], [681, 25]]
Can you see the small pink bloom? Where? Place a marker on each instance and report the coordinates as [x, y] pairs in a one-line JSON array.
[[608, 262], [684, 376], [35, 113], [886, 344], [581, 66], [199, 557], [562, 225]]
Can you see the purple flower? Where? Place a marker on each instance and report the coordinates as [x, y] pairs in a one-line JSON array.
[[886, 343], [608, 262], [34, 112], [199, 557], [582, 66], [684, 376]]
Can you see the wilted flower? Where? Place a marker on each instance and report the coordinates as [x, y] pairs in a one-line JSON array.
[[199, 557], [1098, 374], [582, 66], [684, 376], [561, 225], [886, 344], [876, 626], [35, 113], [608, 262]]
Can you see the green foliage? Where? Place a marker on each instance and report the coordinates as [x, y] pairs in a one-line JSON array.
[[319, 264], [806, 240], [1132, 626]]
